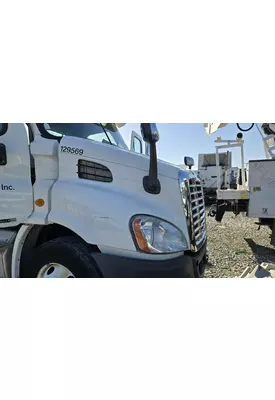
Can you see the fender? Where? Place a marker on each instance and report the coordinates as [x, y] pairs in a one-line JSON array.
[[100, 213]]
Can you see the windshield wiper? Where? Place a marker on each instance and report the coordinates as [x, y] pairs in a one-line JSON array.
[[106, 134]]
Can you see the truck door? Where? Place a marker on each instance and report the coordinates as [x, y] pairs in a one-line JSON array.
[[16, 192]]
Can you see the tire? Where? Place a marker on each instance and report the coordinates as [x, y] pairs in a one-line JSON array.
[[69, 252], [213, 210], [199, 269]]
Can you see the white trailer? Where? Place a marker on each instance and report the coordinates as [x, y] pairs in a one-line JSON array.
[[255, 195], [75, 202]]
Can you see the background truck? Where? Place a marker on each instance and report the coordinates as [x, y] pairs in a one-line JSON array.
[[255, 194], [75, 202], [209, 171]]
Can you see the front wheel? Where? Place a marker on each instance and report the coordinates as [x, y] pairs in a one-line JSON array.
[[65, 257], [200, 267]]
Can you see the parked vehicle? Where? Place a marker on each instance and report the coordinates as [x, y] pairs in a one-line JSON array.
[[75, 202], [255, 192], [209, 172]]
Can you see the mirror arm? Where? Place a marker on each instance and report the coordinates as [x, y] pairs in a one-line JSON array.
[[151, 183]]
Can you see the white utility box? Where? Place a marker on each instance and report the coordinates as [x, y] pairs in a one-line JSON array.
[[232, 194], [262, 189]]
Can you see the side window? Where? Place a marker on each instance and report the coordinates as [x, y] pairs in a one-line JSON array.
[[3, 129], [137, 145]]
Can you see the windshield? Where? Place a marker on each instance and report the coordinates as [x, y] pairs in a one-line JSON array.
[[103, 133]]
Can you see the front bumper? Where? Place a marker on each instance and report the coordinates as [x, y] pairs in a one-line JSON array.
[[184, 266]]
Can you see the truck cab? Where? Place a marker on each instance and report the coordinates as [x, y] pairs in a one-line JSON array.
[[75, 202]]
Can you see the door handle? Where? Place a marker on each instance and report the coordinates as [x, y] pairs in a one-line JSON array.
[[3, 154]]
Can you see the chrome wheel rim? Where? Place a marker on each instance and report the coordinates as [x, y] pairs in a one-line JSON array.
[[55, 270]]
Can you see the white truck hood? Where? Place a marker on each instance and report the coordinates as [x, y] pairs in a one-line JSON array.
[[138, 161], [113, 154]]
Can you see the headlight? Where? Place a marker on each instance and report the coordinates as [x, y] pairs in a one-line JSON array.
[[153, 235]]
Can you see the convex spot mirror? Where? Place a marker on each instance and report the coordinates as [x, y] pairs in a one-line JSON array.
[[189, 162], [149, 132]]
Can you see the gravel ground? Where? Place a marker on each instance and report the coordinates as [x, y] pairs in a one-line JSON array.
[[235, 244]]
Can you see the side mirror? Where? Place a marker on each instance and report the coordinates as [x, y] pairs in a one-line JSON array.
[[147, 149], [189, 162], [149, 133]]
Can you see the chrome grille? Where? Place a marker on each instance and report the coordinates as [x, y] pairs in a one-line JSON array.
[[197, 210]]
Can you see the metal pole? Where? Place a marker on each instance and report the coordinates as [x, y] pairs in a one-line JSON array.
[[242, 164], [217, 168], [226, 170]]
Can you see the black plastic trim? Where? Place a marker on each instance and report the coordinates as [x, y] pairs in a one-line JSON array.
[[151, 189], [93, 171], [3, 155], [183, 266], [45, 134]]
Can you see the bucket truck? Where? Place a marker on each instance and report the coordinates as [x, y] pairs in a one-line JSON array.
[[255, 193]]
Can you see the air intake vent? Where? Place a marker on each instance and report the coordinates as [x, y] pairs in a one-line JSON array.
[[93, 171]]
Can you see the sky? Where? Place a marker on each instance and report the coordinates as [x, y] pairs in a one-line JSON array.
[[179, 140]]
